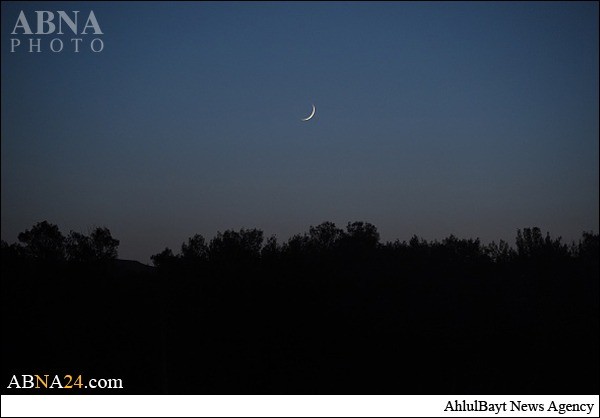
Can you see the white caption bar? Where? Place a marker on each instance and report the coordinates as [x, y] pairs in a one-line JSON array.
[[296, 406]]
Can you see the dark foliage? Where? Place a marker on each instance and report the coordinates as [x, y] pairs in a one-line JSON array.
[[331, 311], [98, 246], [43, 242]]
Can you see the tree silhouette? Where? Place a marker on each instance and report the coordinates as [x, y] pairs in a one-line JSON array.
[[98, 246], [195, 250], [325, 236], [588, 247], [271, 249], [296, 247], [455, 250], [362, 235], [500, 252], [164, 258], [242, 246], [531, 245], [245, 315], [44, 242], [79, 247], [104, 245]]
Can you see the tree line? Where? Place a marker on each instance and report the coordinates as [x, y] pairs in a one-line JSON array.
[[45, 242], [328, 311]]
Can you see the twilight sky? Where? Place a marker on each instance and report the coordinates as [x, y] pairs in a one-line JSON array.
[[432, 119]]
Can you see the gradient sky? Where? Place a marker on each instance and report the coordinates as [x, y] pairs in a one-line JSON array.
[[432, 118]]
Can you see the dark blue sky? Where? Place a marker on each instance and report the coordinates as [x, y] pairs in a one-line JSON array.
[[432, 118]]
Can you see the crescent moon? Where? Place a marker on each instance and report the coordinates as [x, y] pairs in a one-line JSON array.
[[311, 114]]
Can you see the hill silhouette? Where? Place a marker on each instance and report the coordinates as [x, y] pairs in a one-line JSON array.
[[329, 311]]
